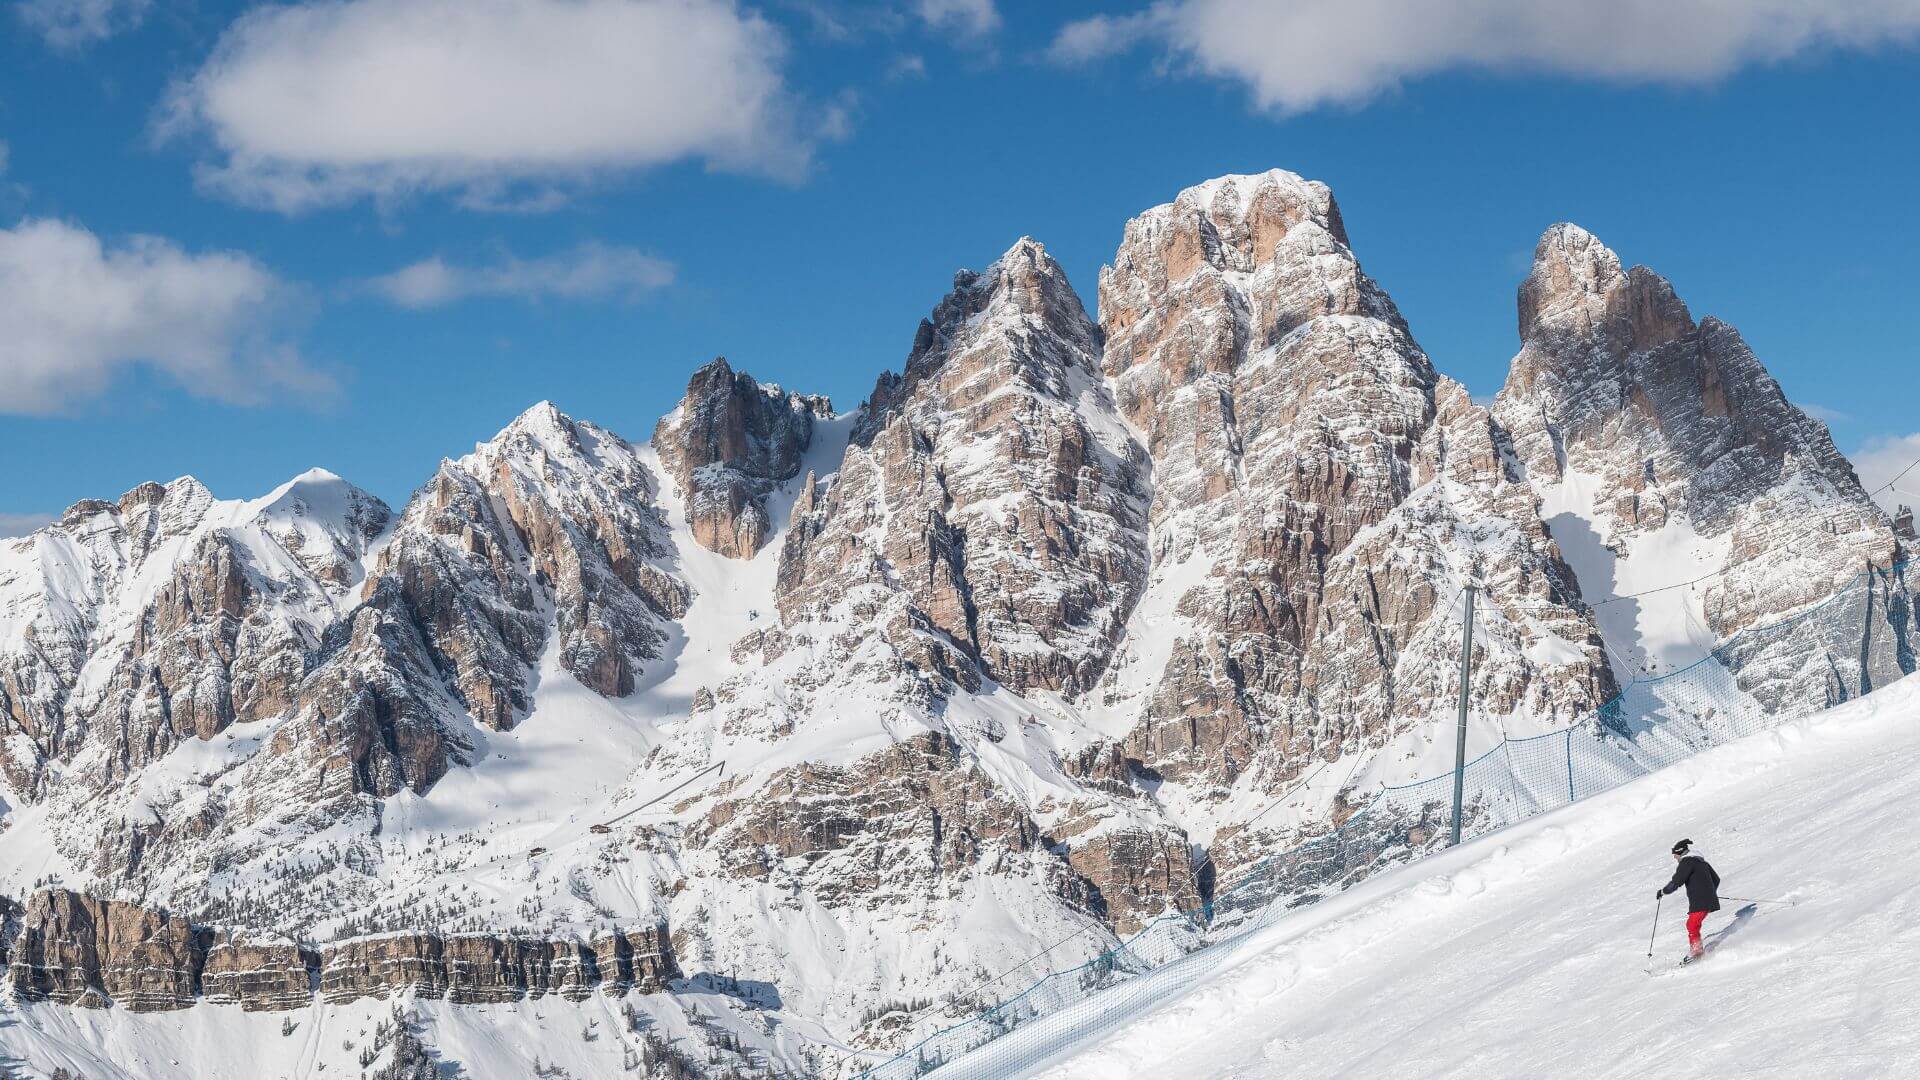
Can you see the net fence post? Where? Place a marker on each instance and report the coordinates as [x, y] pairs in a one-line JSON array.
[[1460, 742], [1570, 795]]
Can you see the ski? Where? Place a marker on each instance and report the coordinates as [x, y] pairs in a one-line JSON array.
[[1676, 966]]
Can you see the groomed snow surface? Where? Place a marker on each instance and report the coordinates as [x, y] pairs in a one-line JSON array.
[[1524, 953]]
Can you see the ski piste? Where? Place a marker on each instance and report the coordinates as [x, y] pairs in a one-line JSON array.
[[1474, 947]]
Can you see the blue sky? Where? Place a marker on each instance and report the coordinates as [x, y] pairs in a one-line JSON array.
[[206, 209]]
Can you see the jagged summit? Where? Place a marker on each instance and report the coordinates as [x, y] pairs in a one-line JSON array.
[[727, 444], [1313, 480], [1006, 492], [1648, 431], [1022, 298], [1577, 288], [1237, 221], [542, 425]]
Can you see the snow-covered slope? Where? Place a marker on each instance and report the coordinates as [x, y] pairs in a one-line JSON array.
[[1523, 953], [606, 1036]]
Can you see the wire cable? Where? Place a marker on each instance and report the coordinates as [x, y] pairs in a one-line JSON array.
[[1896, 478]]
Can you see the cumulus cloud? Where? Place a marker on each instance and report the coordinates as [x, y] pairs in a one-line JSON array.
[[1308, 53], [970, 18], [495, 101], [69, 24], [1886, 467], [588, 272], [74, 314]]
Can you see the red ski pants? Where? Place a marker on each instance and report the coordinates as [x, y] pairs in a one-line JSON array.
[[1694, 919]]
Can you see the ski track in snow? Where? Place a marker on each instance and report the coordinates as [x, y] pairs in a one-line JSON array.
[[1523, 953]]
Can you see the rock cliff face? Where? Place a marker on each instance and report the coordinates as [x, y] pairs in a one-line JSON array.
[[988, 513], [259, 975], [986, 526], [78, 950], [1648, 430], [128, 627], [482, 968], [1320, 496], [730, 441], [925, 815], [551, 510]]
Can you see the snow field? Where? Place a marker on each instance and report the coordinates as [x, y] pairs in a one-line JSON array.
[[476, 1042]]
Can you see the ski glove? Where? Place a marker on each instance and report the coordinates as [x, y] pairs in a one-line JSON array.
[[1658, 893]]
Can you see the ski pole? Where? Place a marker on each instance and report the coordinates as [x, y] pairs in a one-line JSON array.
[[1751, 900], [1656, 928]]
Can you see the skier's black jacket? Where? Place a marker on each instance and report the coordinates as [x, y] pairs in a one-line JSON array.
[[1701, 882]]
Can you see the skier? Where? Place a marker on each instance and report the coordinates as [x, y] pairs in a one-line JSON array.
[[1702, 885]]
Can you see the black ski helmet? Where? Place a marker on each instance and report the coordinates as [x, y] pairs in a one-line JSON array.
[[1681, 847]]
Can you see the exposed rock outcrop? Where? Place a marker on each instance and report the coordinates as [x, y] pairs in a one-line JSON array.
[[1641, 425], [920, 816], [989, 512], [259, 975], [126, 628], [552, 509], [78, 950], [728, 443], [1320, 496]]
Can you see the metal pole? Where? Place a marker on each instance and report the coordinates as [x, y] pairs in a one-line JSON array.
[[1460, 746], [1656, 930]]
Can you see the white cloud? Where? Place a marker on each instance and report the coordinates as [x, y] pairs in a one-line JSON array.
[[495, 101], [1826, 415], [1889, 460], [69, 24], [588, 272], [907, 66], [970, 18], [74, 314], [21, 524], [1307, 53]]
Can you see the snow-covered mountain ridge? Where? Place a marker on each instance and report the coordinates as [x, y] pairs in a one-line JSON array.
[[1022, 652]]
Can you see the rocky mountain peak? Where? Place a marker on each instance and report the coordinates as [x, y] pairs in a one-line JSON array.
[[1313, 481], [729, 442], [553, 507], [151, 511], [1577, 289], [1249, 214], [318, 505], [540, 431], [989, 494], [1023, 293], [130, 627], [1025, 281], [1647, 431]]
